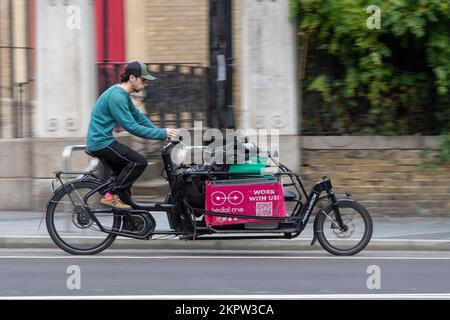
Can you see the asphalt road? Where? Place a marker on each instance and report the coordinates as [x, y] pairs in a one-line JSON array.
[[180, 274]]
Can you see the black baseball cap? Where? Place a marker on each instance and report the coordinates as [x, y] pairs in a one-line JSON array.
[[138, 69]]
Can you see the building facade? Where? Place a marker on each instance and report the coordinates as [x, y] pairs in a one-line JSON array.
[[51, 54]]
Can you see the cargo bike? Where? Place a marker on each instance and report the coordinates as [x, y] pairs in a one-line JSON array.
[[208, 201]]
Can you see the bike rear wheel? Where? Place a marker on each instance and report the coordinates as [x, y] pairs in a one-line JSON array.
[[358, 223], [70, 225]]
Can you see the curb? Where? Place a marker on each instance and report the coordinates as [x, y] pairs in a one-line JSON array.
[[36, 242]]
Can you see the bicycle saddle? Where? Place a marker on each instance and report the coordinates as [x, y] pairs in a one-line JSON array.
[[89, 153]]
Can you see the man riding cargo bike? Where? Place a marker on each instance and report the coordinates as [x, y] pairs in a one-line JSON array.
[[207, 201], [115, 107]]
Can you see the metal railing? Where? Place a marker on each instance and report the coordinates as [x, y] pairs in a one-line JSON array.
[[67, 154], [16, 70], [16, 109], [16, 112]]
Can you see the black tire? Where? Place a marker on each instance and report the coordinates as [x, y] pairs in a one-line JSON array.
[[360, 227], [65, 227]]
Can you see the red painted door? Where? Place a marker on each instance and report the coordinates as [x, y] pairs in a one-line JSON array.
[[110, 30]]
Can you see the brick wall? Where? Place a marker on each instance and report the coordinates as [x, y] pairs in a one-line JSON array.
[[177, 30], [387, 182]]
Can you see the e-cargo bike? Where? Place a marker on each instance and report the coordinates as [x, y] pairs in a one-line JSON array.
[[208, 202]]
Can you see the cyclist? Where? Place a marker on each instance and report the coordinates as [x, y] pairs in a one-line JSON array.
[[115, 107]]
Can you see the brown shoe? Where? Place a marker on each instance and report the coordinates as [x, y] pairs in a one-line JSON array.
[[115, 202]]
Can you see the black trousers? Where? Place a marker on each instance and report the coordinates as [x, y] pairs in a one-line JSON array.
[[126, 164]]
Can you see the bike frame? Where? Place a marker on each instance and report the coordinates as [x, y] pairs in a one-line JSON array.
[[291, 226]]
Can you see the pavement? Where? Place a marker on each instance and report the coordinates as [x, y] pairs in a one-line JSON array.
[[19, 229]]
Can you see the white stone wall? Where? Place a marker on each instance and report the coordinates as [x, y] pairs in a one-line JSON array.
[[269, 84], [66, 73]]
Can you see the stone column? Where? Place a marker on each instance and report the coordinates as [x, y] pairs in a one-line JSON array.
[[66, 71], [269, 68], [66, 88]]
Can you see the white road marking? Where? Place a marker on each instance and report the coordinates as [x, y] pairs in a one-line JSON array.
[[396, 296], [219, 257]]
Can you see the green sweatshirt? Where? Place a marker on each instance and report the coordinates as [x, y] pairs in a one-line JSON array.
[[115, 107]]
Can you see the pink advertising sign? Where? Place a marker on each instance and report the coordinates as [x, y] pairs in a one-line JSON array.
[[257, 199]]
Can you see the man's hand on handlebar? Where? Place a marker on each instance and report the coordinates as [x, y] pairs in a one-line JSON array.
[[172, 133], [173, 138]]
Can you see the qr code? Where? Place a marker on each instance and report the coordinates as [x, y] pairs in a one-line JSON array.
[[264, 209]]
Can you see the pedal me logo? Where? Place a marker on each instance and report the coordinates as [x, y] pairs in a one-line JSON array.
[[234, 198], [219, 198]]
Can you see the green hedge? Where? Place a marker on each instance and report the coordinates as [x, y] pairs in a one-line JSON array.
[[392, 81]]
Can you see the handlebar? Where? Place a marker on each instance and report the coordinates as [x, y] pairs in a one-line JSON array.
[[176, 140], [172, 142]]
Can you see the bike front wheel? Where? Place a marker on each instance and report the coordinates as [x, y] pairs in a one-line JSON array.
[[70, 225], [356, 234]]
